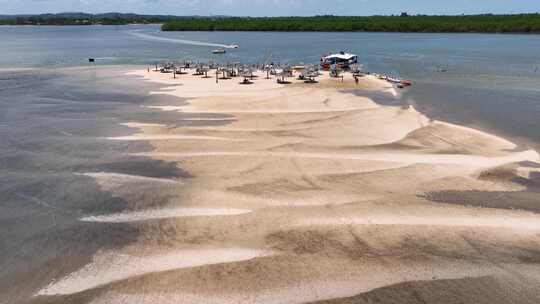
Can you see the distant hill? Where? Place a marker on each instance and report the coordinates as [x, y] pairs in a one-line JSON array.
[[79, 18]]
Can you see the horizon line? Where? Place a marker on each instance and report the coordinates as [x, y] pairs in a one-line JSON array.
[[277, 16]]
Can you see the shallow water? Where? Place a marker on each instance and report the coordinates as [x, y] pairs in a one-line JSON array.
[[492, 81], [53, 127]]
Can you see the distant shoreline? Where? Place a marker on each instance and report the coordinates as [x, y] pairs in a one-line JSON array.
[[404, 23], [524, 23], [268, 31]]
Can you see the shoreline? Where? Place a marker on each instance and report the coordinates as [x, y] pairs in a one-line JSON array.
[[302, 192], [432, 110], [285, 178], [426, 108], [429, 110]]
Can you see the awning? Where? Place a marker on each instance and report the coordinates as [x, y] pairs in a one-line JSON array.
[[344, 56]]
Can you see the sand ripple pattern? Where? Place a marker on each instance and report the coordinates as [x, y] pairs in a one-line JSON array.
[[184, 109], [449, 159], [342, 206], [518, 222], [375, 276], [111, 181], [169, 137], [110, 267], [155, 214]]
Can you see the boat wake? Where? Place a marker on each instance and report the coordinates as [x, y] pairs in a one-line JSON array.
[[177, 41]]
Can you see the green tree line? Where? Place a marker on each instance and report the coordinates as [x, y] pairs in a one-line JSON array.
[[519, 23], [7, 22]]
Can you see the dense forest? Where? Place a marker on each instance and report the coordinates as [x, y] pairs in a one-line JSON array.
[[519, 23], [522, 23]]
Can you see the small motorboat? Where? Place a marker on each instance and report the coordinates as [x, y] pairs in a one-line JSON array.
[[406, 83], [219, 51], [399, 82], [234, 46], [393, 80]]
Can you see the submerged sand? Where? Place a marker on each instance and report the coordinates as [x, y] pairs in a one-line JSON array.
[[306, 193]]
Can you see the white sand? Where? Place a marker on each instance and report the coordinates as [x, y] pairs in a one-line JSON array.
[[503, 142], [208, 119], [456, 159], [142, 125], [108, 267], [169, 137], [154, 214], [109, 181], [164, 108], [373, 276], [517, 222], [338, 181], [186, 109]]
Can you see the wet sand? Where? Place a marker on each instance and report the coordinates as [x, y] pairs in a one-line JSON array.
[[301, 193]]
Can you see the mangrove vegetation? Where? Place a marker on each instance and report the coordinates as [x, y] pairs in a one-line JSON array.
[[519, 23]]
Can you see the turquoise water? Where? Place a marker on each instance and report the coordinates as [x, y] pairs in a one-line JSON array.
[[492, 81]]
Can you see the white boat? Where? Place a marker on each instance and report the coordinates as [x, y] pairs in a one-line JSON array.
[[393, 80], [234, 46], [219, 51], [400, 82], [342, 60]]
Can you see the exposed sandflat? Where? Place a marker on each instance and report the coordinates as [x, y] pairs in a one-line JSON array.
[[142, 125], [155, 214], [456, 159], [169, 137], [337, 184], [184, 109], [207, 119], [302, 293], [110, 181], [486, 221], [109, 267]]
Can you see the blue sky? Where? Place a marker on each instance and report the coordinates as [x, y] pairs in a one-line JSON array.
[[272, 7]]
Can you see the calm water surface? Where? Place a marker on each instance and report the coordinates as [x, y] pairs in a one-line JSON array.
[[492, 82]]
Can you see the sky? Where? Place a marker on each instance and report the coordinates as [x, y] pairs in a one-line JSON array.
[[271, 7]]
